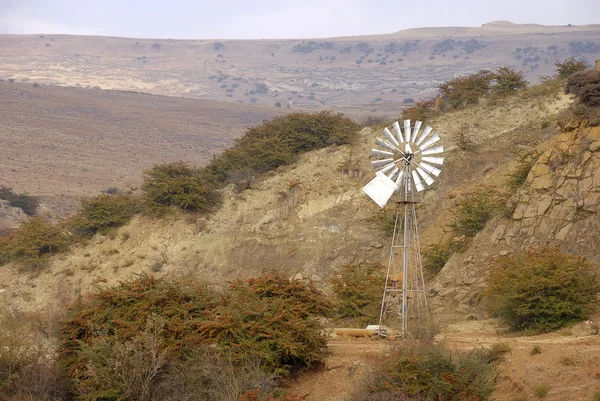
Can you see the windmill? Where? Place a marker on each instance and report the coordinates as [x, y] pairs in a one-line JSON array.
[[406, 162]]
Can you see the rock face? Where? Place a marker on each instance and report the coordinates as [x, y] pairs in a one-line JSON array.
[[557, 206], [10, 217]]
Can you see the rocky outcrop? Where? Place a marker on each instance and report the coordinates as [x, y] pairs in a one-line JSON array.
[[558, 206], [10, 217]]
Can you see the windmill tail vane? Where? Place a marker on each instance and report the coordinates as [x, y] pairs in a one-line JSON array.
[[407, 160]]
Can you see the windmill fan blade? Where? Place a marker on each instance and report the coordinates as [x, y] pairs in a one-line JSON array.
[[400, 178], [394, 173], [406, 130], [430, 141], [434, 160], [381, 153], [384, 144], [433, 170], [416, 129], [418, 184], [407, 148], [428, 179], [388, 168], [380, 189], [425, 132], [397, 131], [382, 162], [432, 151], [390, 137]]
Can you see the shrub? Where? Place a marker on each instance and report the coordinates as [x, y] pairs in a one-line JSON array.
[[358, 289], [467, 89], [542, 290], [32, 243], [475, 209], [580, 82], [535, 350], [508, 81], [541, 390], [26, 202], [273, 319], [181, 185], [426, 371], [279, 141], [205, 374], [147, 337], [525, 162], [26, 368], [261, 88], [101, 213], [569, 67], [422, 110]]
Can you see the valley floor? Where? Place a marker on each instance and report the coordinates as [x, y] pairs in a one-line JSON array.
[[568, 364]]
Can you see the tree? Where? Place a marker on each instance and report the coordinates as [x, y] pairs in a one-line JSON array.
[[32, 243]]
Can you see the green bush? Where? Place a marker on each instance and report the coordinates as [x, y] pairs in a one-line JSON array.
[[26, 202], [358, 291], [32, 243], [145, 337], [475, 209], [542, 290], [467, 89], [279, 141], [101, 213], [507, 81], [273, 319], [426, 371], [569, 67], [181, 185]]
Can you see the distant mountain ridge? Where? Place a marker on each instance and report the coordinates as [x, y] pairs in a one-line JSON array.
[[375, 73]]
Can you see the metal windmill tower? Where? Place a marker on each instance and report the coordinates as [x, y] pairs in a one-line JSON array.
[[405, 163]]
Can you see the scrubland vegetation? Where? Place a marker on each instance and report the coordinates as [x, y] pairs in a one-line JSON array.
[[180, 339], [428, 371], [169, 339], [177, 185]]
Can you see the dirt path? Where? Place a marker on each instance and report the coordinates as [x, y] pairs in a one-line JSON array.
[[566, 368]]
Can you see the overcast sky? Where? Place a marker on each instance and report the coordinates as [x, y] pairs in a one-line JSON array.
[[254, 19]]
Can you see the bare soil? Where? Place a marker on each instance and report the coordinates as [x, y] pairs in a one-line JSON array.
[[568, 363]]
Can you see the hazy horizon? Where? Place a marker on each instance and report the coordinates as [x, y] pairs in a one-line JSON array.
[[270, 19]]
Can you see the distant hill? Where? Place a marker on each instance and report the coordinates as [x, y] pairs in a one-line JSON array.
[[75, 142], [376, 73]]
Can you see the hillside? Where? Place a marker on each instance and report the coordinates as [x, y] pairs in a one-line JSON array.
[[73, 142], [377, 73], [306, 218]]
